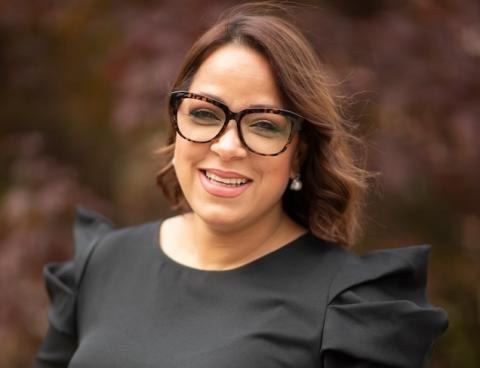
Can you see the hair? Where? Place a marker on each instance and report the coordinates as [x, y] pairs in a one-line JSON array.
[[334, 183]]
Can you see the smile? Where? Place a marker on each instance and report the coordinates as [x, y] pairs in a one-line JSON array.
[[225, 181], [223, 184]]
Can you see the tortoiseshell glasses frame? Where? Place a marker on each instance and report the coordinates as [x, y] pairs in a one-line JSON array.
[[176, 98]]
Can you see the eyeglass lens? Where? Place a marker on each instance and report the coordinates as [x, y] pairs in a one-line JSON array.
[[263, 132]]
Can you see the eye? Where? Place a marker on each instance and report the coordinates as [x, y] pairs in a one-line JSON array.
[[265, 127], [205, 116]]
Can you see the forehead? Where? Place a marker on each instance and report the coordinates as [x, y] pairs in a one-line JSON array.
[[238, 75]]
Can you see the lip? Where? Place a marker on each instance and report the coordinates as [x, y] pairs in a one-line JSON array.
[[219, 190], [226, 174]]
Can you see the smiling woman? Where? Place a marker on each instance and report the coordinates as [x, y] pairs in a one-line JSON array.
[[253, 271]]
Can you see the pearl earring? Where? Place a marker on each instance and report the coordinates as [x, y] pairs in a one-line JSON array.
[[296, 184], [173, 161]]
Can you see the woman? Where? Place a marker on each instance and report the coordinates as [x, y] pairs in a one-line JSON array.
[[254, 271]]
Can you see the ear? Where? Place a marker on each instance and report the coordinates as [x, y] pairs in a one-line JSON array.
[[299, 158]]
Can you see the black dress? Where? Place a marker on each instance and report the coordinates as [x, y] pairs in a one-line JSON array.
[[123, 303]]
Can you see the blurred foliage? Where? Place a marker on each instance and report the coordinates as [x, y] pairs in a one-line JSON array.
[[82, 87]]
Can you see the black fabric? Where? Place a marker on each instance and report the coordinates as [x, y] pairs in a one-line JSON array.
[[123, 303]]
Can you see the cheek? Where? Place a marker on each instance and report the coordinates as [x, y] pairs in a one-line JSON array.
[[186, 154], [276, 170], [276, 174]]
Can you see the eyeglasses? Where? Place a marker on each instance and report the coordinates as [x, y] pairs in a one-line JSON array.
[[264, 131]]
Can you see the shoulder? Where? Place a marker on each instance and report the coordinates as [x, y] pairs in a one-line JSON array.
[[62, 279], [310, 256], [95, 241], [377, 302], [409, 264], [116, 248]]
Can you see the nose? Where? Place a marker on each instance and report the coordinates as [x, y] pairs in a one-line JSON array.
[[229, 146]]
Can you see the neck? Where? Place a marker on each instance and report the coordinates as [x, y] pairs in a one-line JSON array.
[[214, 248]]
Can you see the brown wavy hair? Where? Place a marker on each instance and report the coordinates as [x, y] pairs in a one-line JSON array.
[[333, 181]]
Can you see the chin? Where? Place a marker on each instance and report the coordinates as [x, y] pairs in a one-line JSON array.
[[219, 217]]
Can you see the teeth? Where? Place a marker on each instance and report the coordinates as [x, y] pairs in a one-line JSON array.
[[226, 181]]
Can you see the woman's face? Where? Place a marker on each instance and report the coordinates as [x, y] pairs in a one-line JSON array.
[[212, 175]]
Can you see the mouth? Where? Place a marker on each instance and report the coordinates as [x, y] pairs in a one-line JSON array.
[[225, 184], [225, 181]]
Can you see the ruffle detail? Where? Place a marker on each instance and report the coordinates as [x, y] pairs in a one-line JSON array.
[[62, 279], [378, 314]]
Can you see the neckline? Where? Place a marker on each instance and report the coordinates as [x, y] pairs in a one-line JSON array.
[[255, 263]]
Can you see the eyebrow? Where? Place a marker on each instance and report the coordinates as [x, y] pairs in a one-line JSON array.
[[219, 99]]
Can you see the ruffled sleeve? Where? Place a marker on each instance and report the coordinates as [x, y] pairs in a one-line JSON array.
[[62, 281], [378, 314]]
